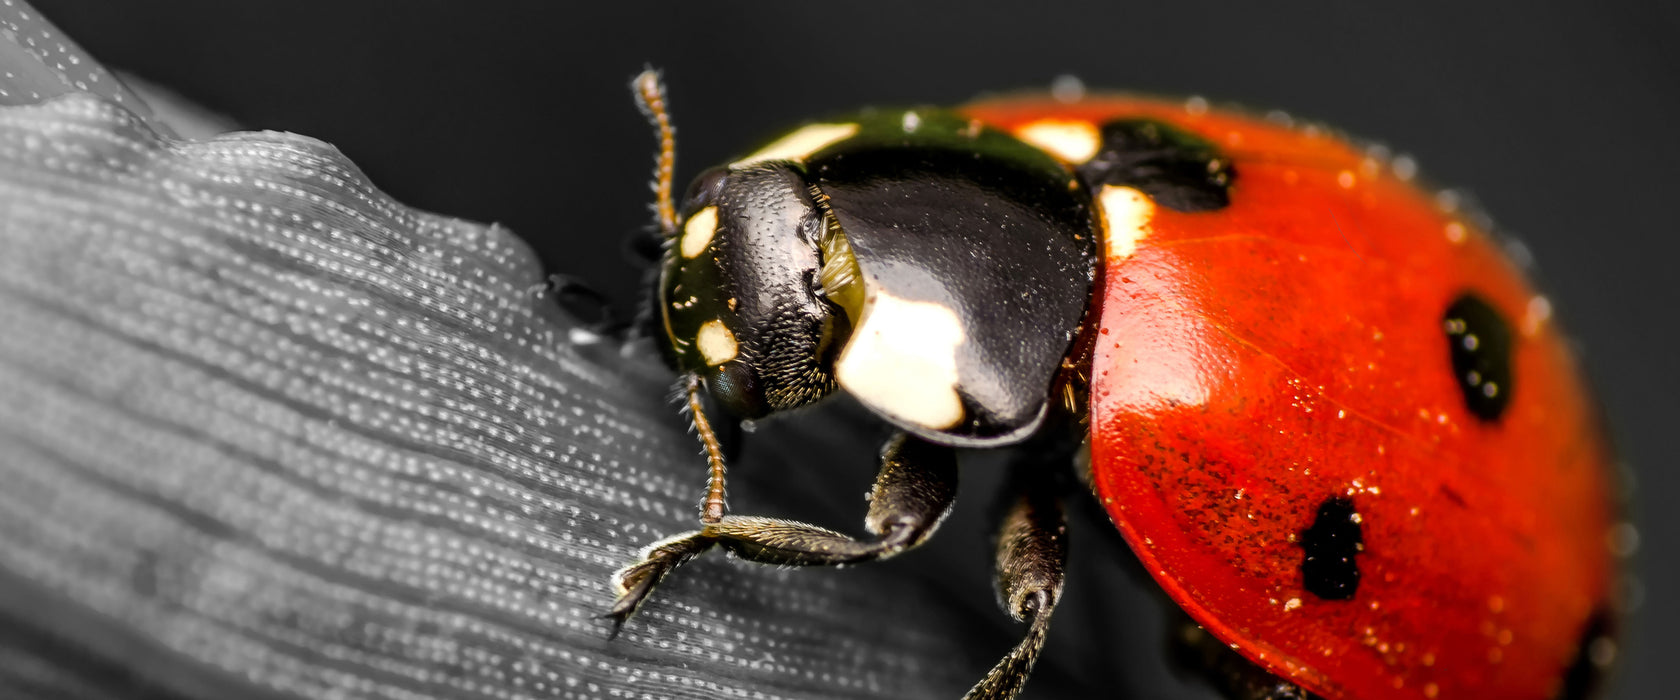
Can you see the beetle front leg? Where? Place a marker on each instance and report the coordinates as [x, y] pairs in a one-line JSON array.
[[914, 490], [1031, 558]]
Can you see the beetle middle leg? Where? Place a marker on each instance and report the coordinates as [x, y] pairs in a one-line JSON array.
[[913, 492], [1031, 560]]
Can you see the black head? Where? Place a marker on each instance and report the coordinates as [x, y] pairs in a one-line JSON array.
[[755, 289]]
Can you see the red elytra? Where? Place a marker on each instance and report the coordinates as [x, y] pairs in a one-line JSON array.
[[1252, 362]]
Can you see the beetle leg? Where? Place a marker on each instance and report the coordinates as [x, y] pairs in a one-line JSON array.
[[914, 490], [1031, 556]]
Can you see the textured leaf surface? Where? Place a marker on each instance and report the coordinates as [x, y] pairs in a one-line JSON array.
[[40, 62]]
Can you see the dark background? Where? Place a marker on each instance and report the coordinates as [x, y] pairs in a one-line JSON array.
[[1560, 121]]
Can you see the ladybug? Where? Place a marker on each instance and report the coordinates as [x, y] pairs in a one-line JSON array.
[[1326, 410]]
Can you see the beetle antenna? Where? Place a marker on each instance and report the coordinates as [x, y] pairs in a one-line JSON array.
[[711, 509], [650, 97]]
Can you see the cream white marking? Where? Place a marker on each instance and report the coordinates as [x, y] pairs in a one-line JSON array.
[[1125, 215], [1071, 141], [902, 361], [716, 343], [800, 144], [911, 122], [697, 232]]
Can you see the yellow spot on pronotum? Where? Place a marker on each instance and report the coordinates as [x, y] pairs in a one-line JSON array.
[[1125, 215], [697, 232], [902, 361], [1071, 141], [800, 144], [716, 343]]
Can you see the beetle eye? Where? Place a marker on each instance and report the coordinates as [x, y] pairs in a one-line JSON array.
[[736, 389], [704, 190]]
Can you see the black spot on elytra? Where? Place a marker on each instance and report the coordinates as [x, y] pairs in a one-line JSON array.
[[1480, 341], [1335, 538], [1586, 674], [1175, 168]]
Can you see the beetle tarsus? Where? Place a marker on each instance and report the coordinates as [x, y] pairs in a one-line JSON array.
[[1005, 679], [636, 582]]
